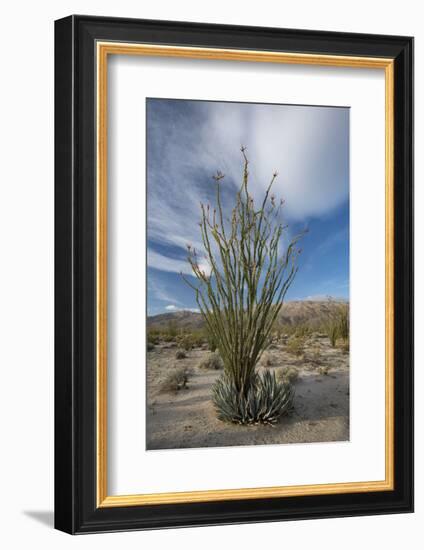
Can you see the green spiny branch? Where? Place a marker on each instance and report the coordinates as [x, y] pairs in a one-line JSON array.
[[241, 292]]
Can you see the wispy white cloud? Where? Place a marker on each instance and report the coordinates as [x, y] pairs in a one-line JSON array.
[[164, 263], [173, 307], [172, 265], [308, 146], [159, 292]]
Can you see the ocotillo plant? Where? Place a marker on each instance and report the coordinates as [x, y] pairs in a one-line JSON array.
[[343, 322], [242, 291], [338, 324]]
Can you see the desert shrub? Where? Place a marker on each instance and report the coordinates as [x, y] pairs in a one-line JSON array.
[[172, 329], [267, 359], [198, 339], [295, 345], [315, 355], [191, 340], [186, 342], [176, 380], [284, 332], [165, 337], [211, 342], [180, 354], [164, 334], [343, 322], [344, 346], [337, 327], [241, 293], [287, 375], [324, 370], [302, 331], [265, 401], [153, 337], [288, 330], [278, 334], [332, 332], [150, 346], [212, 362]]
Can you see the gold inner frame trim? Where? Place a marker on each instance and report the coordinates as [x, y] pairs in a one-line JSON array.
[[104, 49]]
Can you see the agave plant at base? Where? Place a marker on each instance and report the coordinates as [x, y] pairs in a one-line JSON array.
[[265, 401]]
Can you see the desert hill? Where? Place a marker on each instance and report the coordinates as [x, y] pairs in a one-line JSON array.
[[292, 313]]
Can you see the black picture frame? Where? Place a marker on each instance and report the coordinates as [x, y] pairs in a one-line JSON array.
[[76, 508]]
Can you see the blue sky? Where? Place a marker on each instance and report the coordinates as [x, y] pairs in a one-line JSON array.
[[188, 141]]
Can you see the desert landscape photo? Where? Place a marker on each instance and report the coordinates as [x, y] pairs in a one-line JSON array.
[[183, 366], [247, 327]]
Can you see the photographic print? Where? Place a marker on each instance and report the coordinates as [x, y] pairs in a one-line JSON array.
[[248, 274], [217, 290]]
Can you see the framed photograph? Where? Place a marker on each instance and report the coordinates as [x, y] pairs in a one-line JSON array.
[[234, 274]]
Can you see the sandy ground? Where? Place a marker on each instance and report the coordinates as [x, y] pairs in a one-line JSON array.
[[186, 418]]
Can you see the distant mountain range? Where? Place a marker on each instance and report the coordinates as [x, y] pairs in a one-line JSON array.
[[292, 313]]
